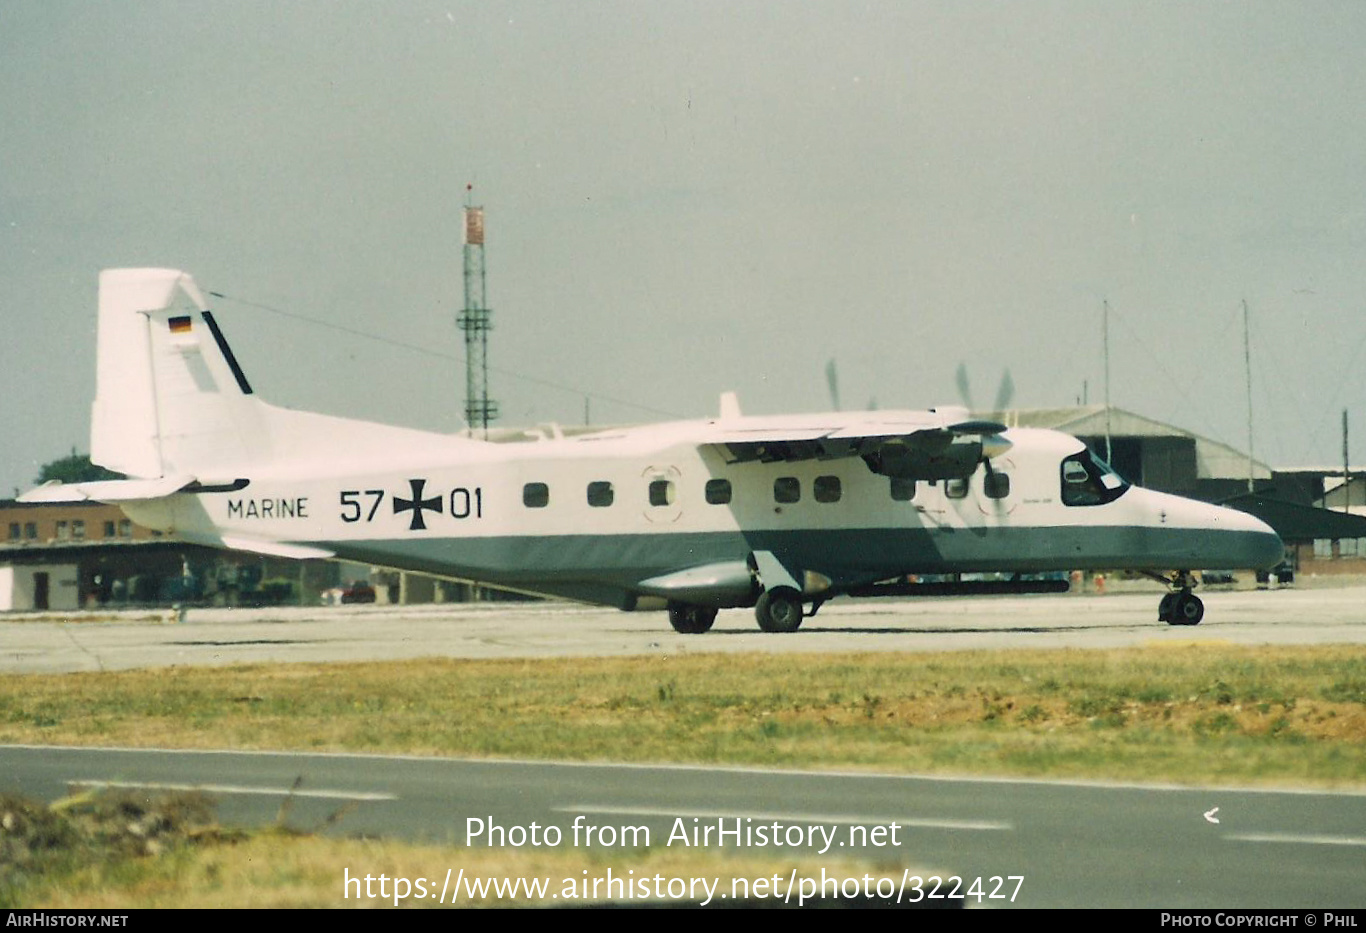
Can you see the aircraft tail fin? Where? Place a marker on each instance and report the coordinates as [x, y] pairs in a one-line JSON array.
[[170, 397], [171, 400]]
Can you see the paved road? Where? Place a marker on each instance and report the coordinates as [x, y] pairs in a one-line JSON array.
[[1076, 844], [33, 644]]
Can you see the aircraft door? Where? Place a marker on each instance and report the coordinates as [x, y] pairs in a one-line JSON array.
[[996, 494]]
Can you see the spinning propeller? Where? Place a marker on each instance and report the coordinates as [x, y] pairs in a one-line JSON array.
[[832, 382], [1004, 392], [993, 445]]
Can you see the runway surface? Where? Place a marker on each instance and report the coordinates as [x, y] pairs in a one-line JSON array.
[[1074, 844], [102, 641]]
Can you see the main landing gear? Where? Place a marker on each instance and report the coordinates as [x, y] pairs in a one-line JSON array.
[[1181, 606], [780, 609], [691, 620]]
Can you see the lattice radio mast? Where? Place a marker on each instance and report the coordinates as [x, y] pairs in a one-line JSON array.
[[476, 322]]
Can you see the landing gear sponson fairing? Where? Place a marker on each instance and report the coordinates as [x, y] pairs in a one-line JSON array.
[[778, 513]]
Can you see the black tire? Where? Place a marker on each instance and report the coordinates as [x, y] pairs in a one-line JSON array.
[[779, 610], [691, 620], [1164, 609], [1187, 610]]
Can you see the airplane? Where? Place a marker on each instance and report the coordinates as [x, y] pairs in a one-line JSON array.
[[776, 513]]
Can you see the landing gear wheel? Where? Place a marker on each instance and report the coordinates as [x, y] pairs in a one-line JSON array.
[[779, 610], [1187, 609], [1164, 609], [691, 620]]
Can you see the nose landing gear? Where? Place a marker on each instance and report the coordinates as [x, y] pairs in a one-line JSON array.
[[1181, 606]]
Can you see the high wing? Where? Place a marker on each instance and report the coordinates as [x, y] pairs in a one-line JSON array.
[[928, 445]]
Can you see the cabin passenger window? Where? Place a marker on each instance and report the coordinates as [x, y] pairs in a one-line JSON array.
[[826, 489], [718, 491], [109, 529], [996, 484], [535, 495], [787, 489], [903, 489], [600, 494], [956, 488], [125, 528], [14, 531], [662, 492], [78, 528]]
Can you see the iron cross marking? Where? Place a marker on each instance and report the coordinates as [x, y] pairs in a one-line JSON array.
[[416, 504]]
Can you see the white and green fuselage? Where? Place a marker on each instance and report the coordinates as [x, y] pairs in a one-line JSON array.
[[708, 513]]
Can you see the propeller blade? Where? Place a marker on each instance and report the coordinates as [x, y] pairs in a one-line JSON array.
[[964, 390], [1004, 393], [833, 381]]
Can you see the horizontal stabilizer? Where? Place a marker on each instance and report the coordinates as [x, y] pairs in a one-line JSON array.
[[275, 548], [113, 490]]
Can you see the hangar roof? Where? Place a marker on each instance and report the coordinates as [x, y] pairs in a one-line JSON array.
[[1213, 459]]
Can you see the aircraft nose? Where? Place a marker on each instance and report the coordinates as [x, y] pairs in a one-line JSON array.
[[1219, 537], [1258, 545]]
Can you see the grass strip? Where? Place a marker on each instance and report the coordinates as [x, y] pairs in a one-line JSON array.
[[1197, 714]]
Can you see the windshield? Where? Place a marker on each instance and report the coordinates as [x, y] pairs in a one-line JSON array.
[[1089, 480]]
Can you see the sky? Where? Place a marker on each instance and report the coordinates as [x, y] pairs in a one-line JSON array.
[[685, 198]]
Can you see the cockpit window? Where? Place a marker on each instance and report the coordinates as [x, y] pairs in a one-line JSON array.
[[1088, 480]]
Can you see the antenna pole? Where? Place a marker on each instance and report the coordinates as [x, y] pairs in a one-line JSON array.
[[476, 322], [1105, 334], [1247, 367], [1346, 476]]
